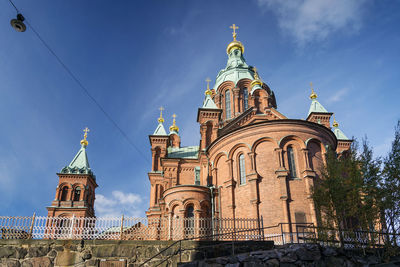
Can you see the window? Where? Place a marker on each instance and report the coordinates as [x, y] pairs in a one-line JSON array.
[[228, 104], [197, 176], [64, 193], [245, 99], [242, 169], [77, 194], [189, 221], [291, 161], [300, 217]]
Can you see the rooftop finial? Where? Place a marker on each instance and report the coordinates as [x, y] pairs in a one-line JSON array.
[[173, 127], [208, 91], [256, 76], [161, 119], [313, 94], [257, 80], [84, 142], [335, 123], [234, 28], [235, 43]]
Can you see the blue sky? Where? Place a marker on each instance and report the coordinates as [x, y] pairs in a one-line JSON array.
[[134, 56]]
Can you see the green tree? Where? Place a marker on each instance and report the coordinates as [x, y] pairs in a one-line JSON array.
[[348, 196], [391, 186], [337, 194], [372, 193]]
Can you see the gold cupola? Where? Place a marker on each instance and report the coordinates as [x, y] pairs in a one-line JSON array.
[[235, 43], [173, 127], [84, 141], [313, 95], [335, 123], [257, 80]]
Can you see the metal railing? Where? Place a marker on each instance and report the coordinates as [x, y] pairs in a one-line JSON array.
[[346, 238], [124, 228], [299, 233]]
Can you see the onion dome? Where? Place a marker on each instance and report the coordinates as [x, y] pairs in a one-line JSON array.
[[313, 94], [85, 142], [173, 128], [256, 83], [235, 43]]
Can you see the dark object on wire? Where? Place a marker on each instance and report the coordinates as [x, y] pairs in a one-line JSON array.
[[18, 23]]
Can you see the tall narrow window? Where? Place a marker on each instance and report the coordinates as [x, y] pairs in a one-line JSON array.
[[291, 161], [77, 194], [197, 176], [189, 221], [64, 193], [242, 169], [228, 104], [245, 99]]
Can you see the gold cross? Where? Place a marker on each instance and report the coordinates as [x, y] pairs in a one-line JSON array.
[[86, 130], [208, 83], [311, 85], [160, 119], [174, 116], [234, 34]]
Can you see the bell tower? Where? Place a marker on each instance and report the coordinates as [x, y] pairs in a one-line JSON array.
[[75, 193]]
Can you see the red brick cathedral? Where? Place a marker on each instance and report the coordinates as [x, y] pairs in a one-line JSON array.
[[252, 160]]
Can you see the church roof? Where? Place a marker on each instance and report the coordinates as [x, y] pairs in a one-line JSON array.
[[236, 70], [80, 163], [160, 130], [189, 152], [209, 103], [316, 107], [340, 134]]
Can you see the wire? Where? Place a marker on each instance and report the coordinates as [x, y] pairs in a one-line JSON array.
[[83, 87], [13, 5]]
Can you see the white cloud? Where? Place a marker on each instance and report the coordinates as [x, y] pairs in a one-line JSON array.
[[309, 20], [119, 203], [337, 96]]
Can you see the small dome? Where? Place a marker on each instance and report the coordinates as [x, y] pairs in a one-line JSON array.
[[234, 44]]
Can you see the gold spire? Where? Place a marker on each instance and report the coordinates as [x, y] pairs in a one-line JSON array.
[[257, 79], [235, 43], [84, 141], [173, 127], [335, 123], [313, 94], [161, 119], [208, 91]]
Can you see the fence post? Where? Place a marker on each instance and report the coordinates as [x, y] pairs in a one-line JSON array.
[[72, 226], [180, 250], [262, 228], [31, 228], [122, 227]]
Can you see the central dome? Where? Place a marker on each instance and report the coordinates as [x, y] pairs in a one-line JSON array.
[[234, 44]]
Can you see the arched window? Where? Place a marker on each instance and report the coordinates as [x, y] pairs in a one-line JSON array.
[[77, 194], [242, 169], [228, 104], [189, 221], [292, 163], [64, 193], [245, 99]]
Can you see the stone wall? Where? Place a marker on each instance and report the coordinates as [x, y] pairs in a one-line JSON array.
[[304, 255], [44, 253]]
